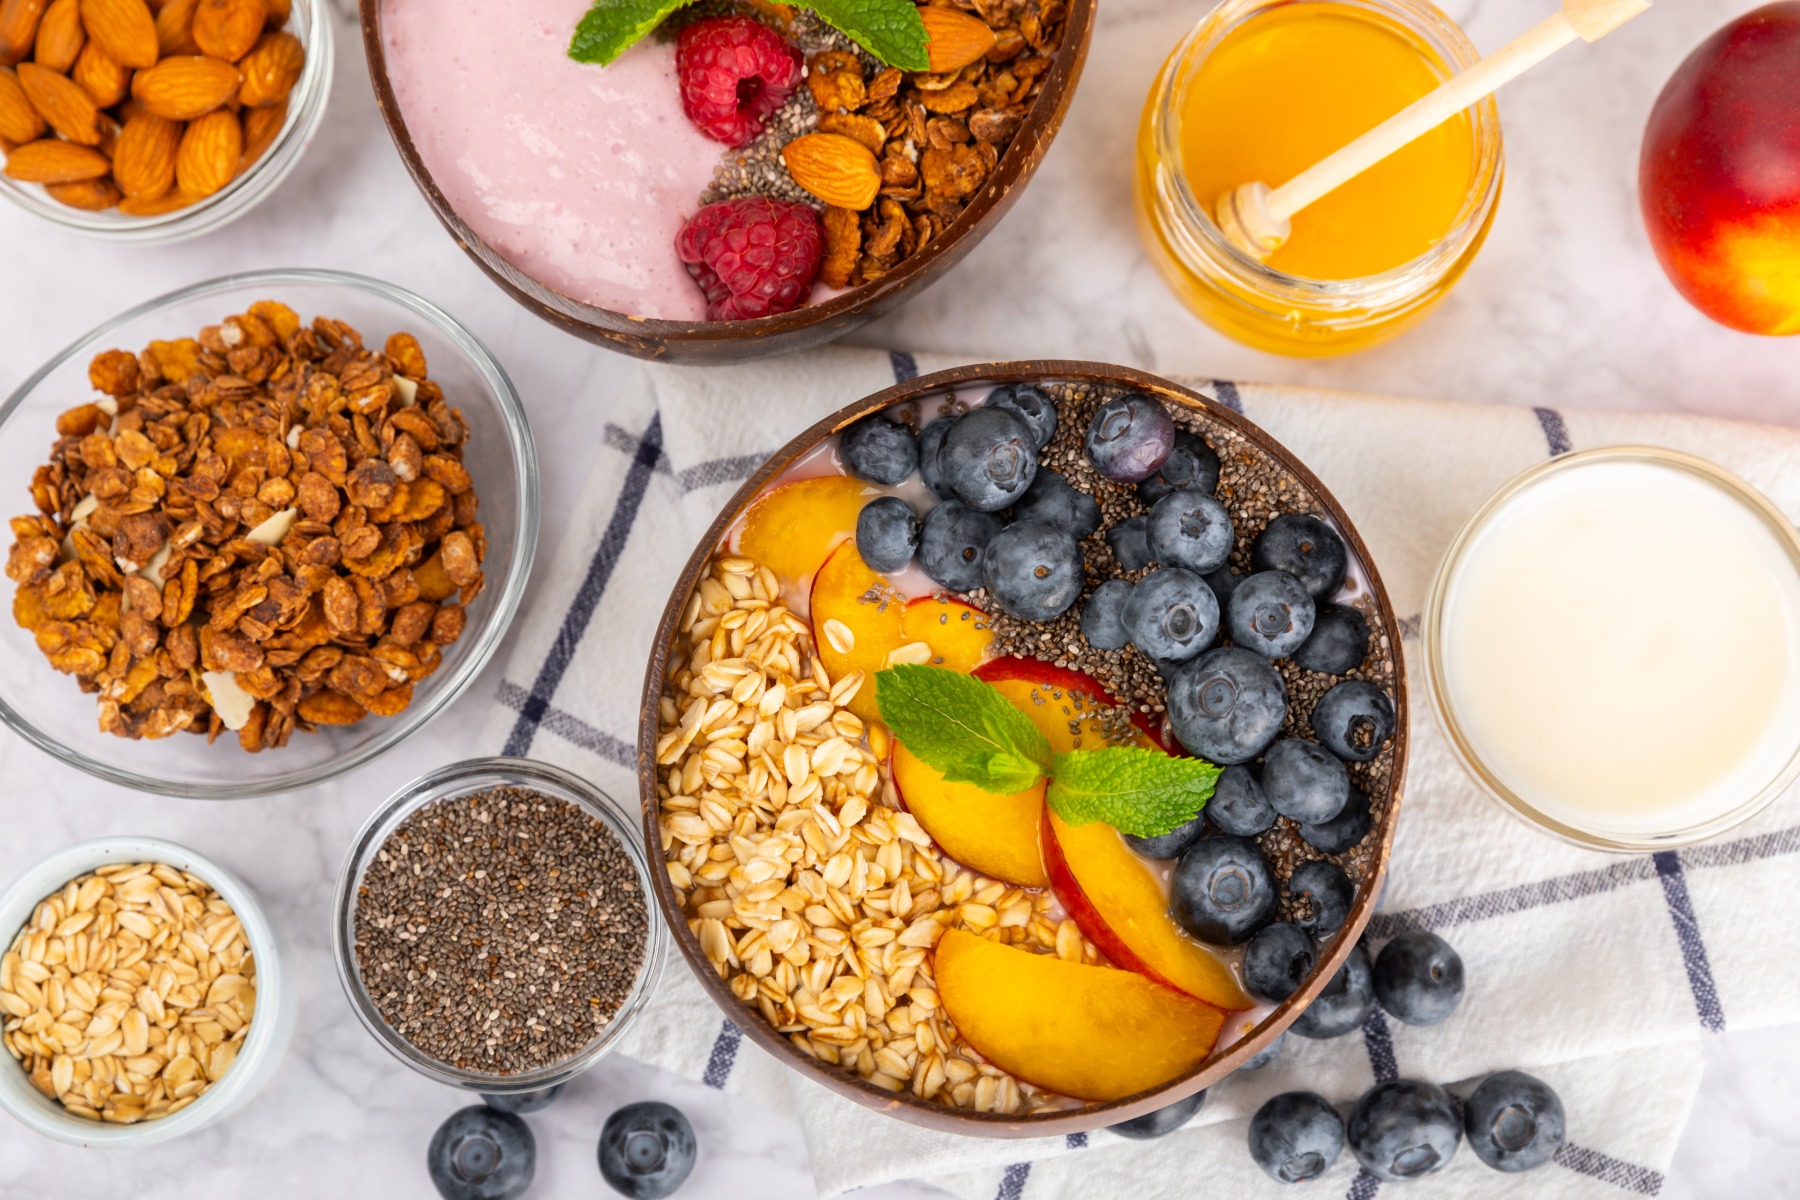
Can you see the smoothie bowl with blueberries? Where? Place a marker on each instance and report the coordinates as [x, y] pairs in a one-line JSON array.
[[1024, 745]]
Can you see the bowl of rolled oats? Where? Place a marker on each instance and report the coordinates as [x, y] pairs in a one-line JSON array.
[[252, 550], [143, 993]]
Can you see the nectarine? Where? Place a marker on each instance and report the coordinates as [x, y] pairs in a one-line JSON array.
[[791, 529], [994, 834]]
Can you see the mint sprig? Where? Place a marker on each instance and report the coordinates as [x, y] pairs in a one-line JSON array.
[[891, 30], [964, 729]]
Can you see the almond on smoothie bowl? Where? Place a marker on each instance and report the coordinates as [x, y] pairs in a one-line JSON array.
[[717, 161]]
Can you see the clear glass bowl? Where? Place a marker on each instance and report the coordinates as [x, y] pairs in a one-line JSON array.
[[461, 779], [50, 711], [311, 23]]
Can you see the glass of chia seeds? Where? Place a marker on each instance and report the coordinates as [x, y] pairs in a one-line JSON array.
[[494, 928]]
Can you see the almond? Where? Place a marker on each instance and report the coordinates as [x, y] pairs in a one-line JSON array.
[[226, 29], [209, 155], [18, 28], [143, 206], [261, 126], [175, 28], [125, 30], [100, 77], [93, 195], [954, 38], [144, 161], [62, 103], [187, 87], [272, 69], [19, 122], [51, 161], [60, 36], [837, 169]]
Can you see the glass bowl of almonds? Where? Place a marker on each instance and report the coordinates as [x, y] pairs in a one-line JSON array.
[[201, 1028], [251, 550], [152, 121]]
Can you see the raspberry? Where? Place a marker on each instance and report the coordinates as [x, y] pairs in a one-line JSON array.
[[735, 73], [752, 256]]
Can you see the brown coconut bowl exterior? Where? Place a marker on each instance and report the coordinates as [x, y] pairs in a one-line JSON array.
[[715, 342], [908, 1107]]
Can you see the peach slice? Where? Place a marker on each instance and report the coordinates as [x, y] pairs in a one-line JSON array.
[[857, 622], [1094, 1033], [790, 530], [1069, 706], [957, 633], [994, 834]]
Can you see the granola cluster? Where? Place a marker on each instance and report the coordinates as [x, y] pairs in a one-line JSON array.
[[265, 528]]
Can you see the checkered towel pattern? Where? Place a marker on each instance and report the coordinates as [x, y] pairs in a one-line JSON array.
[[1599, 973]]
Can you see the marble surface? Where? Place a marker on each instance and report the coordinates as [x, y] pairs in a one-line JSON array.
[[1564, 307]]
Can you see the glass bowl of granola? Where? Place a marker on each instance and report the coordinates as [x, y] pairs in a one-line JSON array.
[[250, 551], [1024, 744]]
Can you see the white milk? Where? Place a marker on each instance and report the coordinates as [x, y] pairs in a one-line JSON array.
[[1621, 646]]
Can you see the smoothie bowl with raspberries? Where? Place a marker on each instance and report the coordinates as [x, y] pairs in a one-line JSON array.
[[1024, 746], [719, 180]]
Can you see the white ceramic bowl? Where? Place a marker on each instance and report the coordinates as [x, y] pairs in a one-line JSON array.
[[270, 1030]]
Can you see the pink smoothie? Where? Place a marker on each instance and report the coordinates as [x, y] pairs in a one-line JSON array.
[[579, 175]]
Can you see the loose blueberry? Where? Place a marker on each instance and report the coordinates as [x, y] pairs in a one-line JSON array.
[[1266, 1055], [1419, 978], [481, 1153], [931, 443], [1130, 542], [1171, 844], [1514, 1122], [952, 542], [1033, 571], [1227, 705], [879, 450], [1344, 831], [1306, 548], [1051, 500], [1354, 720], [1224, 582], [988, 459], [1103, 617], [1304, 781], [1130, 437], [1339, 641], [887, 534], [1221, 890], [524, 1102], [1171, 615], [647, 1150], [1271, 614], [1166, 1119], [1278, 960], [1296, 1136], [1033, 407], [1403, 1129], [1344, 1004], [1238, 805], [1192, 530], [1324, 885], [1191, 466]]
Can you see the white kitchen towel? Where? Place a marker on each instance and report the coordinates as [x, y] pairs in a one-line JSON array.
[[1598, 972]]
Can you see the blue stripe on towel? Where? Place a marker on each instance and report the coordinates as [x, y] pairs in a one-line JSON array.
[[1012, 1184], [1380, 1043], [1076, 1141], [1607, 1169], [906, 367], [1687, 932], [1556, 431], [1363, 1187], [723, 1056], [1227, 393]]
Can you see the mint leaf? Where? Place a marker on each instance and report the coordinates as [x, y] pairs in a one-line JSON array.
[[613, 26], [891, 30], [1142, 792], [962, 728]]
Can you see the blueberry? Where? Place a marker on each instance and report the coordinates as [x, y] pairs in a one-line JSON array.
[[879, 450], [988, 459], [1271, 614], [1171, 615], [1238, 805], [1344, 1004], [1130, 437], [1354, 720], [1345, 830], [1192, 530], [1032, 570], [1171, 844], [1031, 406], [1324, 885], [647, 1150], [1514, 1122], [887, 534], [1403, 1129], [1278, 960], [1051, 500], [1304, 781], [1419, 978], [1224, 582], [524, 1102], [1103, 617], [1339, 641], [1166, 1119], [1296, 1136], [1221, 890], [1266, 1055], [1130, 542], [1227, 705], [1306, 548], [1191, 466], [481, 1153], [931, 443], [952, 542]]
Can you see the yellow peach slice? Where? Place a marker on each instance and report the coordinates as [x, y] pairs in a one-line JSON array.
[[790, 530], [993, 834], [957, 633], [856, 616]]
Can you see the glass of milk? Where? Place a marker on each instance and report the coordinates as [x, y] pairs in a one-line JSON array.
[[1613, 648]]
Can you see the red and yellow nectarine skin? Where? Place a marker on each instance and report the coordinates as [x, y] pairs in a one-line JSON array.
[[1719, 176]]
